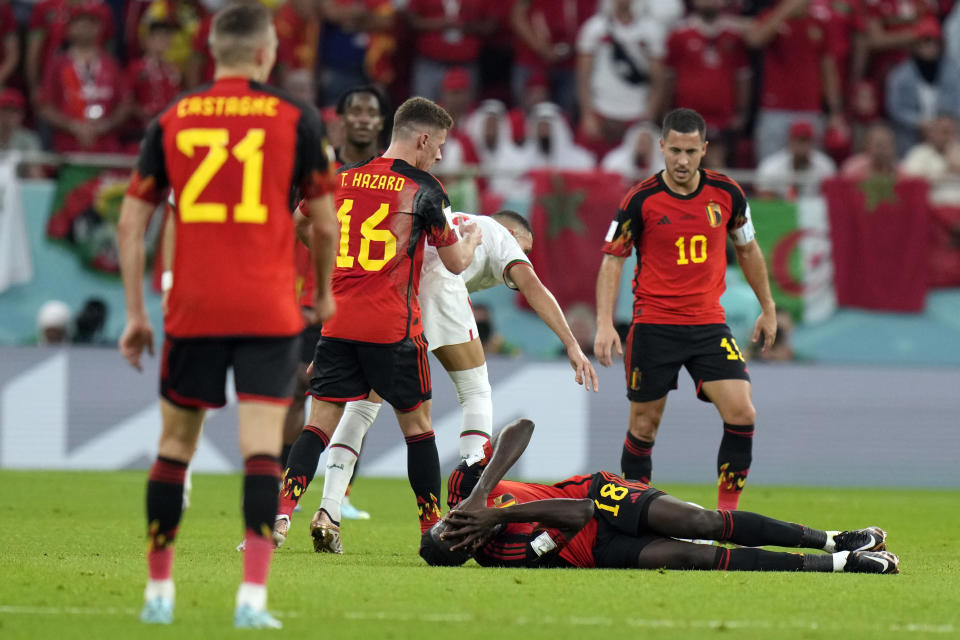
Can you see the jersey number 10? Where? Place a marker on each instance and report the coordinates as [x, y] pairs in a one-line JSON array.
[[698, 249], [249, 151]]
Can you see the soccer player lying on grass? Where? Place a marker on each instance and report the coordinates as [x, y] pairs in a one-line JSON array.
[[604, 521]]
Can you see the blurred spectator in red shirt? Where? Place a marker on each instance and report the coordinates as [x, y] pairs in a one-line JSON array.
[[9, 43], [638, 156], [620, 76], [878, 157], [83, 96], [298, 31], [796, 170], [846, 42], [536, 90], [922, 87], [185, 15], [799, 74], [707, 61], [457, 94], [153, 80], [546, 34], [891, 32], [47, 32], [356, 47], [448, 34]]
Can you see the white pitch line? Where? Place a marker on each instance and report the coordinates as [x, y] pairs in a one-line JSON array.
[[592, 621]]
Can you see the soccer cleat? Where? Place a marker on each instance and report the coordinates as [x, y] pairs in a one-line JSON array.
[[872, 562], [461, 482], [326, 534], [157, 610], [869, 539], [280, 528], [246, 617], [350, 512]]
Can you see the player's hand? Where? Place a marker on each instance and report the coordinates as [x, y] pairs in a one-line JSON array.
[[606, 343], [471, 234], [136, 336], [767, 326], [323, 308], [470, 529], [586, 375]]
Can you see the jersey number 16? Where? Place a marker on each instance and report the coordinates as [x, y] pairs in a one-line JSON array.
[[368, 234]]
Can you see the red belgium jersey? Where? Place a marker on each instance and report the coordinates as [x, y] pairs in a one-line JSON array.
[[511, 547], [234, 152], [681, 245], [386, 207]]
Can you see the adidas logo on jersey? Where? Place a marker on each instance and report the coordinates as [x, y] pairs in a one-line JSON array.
[[688, 216], [664, 220]]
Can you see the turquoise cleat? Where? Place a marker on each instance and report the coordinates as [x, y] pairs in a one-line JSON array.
[[246, 617], [157, 611]]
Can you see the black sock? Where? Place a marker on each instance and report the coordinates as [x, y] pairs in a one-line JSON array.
[[733, 463], [301, 466], [756, 560], [755, 530], [261, 473], [822, 562], [423, 470], [285, 455], [635, 461], [165, 500]]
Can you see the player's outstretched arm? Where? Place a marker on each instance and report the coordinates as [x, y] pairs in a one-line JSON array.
[[510, 444], [301, 225], [754, 268], [546, 306], [608, 281], [323, 243], [137, 333], [458, 256]]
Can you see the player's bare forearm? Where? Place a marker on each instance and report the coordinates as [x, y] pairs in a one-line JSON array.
[[301, 226], [324, 230], [567, 514], [169, 241], [754, 267], [510, 444], [608, 282], [542, 301], [134, 215]]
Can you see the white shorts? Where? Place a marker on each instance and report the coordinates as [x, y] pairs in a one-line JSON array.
[[444, 304]]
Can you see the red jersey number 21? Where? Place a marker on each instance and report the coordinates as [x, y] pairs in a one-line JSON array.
[[248, 151], [368, 235]]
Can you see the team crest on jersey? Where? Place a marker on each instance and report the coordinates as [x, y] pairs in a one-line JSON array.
[[505, 500], [714, 214], [635, 379]]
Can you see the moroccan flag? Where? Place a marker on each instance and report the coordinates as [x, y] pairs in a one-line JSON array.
[[880, 230], [945, 252], [570, 214]]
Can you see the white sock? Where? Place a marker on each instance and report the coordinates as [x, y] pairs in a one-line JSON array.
[[476, 402], [840, 560], [252, 595], [830, 545], [343, 452], [159, 589]]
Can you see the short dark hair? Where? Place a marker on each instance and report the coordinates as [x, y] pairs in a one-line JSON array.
[[423, 112], [234, 26], [436, 552], [368, 89], [515, 217], [684, 121]]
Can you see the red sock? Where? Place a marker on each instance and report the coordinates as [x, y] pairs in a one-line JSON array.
[[257, 554], [160, 562], [286, 505], [729, 488]]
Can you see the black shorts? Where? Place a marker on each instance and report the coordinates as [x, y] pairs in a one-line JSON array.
[[193, 372], [309, 338], [655, 353], [621, 512], [345, 371]]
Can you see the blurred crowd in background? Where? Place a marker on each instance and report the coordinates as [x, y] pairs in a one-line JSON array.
[[797, 90]]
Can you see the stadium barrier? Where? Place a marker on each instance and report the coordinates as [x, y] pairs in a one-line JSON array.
[[84, 408]]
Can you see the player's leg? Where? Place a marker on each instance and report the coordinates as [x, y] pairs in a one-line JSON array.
[[337, 379], [652, 361], [720, 372], [295, 416], [345, 446], [193, 375], [466, 364], [400, 373], [263, 372]]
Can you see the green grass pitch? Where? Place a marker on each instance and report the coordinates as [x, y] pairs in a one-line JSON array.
[[72, 566]]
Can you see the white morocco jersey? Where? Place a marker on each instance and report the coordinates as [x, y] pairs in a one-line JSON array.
[[444, 297]]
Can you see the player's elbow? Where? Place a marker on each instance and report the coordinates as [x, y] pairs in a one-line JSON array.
[[584, 512]]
